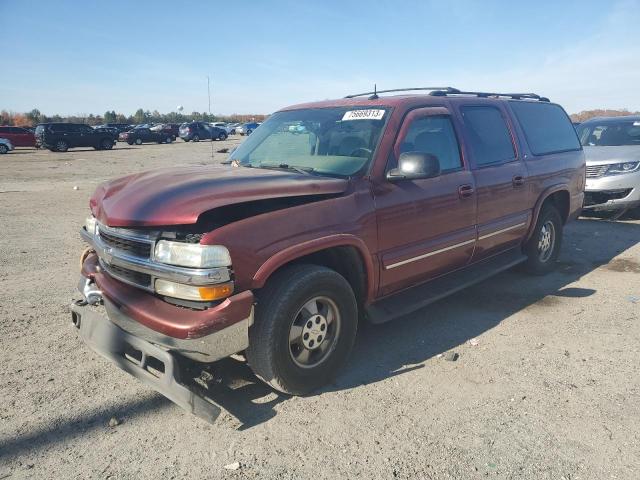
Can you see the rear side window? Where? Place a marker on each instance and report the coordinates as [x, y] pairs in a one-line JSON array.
[[546, 127], [488, 135]]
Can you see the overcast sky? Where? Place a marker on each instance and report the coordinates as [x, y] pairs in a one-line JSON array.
[[72, 57]]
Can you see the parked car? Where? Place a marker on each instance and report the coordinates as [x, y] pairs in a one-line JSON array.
[[612, 149], [171, 129], [120, 127], [19, 136], [196, 131], [112, 130], [247, 128], [383, 205], [62, 136], [5, 146], [224, 126], [145, 135]]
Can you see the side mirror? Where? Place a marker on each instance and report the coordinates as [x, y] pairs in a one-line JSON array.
[[415, 165]]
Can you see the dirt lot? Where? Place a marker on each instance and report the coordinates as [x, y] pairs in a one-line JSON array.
[[549, 387]]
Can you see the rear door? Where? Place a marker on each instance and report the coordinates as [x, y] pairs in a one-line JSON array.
[[426, 227], [503, 196]]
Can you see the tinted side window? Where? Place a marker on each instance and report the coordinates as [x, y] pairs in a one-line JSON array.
[[546, 127], [488, 135], [434, 135], [5, 129]]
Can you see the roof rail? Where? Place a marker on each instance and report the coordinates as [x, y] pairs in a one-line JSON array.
[[516, 96], [375, 92]]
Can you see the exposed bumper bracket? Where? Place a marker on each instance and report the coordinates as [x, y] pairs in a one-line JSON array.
[[152, 365]]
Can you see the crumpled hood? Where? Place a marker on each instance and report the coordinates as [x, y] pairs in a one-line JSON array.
[[177, 196], [607, 155]]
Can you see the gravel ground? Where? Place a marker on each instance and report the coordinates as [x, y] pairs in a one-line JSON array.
[[546, 385]]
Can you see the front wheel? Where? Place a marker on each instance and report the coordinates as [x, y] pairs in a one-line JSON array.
[[3, 149], [138, 141], [222, 136], [62, 146], [543, 247], [196, 138], [106, 145], [305, 326], [249, 132]]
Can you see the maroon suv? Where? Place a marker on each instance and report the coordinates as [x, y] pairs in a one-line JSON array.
[[368, 207]]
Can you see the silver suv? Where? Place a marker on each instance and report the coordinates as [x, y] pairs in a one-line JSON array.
[[612, 149]]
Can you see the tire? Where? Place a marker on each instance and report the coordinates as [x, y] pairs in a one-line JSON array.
[[173, 138], [168, 140], [222, 136], [249, 132], [61, 146], [283, 310], [186, 140], [195, 138], [130, 143], [543, 247], [3, 149], [106, 144], [138, 141]]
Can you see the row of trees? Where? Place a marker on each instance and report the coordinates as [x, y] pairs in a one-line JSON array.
[[587, 114], [140, 116]]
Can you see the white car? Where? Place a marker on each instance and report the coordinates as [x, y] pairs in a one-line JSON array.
[[223, 126], [5, 146]]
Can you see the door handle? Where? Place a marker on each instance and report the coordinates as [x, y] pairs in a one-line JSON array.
[[465, 191], [518, 181]]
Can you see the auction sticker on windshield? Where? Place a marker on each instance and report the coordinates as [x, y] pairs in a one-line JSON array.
[[369, 114]]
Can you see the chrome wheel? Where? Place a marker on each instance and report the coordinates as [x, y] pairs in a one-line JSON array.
[[61, 146], [546, 241], [313, 332]]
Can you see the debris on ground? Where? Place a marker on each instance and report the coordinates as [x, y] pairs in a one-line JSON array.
[[233, 466], [114, 422], [451, 356], [223, 150], [75, 187], [474, 342]]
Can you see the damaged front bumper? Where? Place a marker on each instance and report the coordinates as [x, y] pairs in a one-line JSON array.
[[151, 364], [151, 339]]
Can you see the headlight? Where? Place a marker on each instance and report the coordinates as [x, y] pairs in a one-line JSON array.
[[206, 293], [91, 224], [192, 254], [626, 167]]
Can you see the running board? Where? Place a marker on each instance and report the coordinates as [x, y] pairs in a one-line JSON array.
[[415, 298]]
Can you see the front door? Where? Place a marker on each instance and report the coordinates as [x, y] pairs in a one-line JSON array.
[[426, 227], [504, 206]]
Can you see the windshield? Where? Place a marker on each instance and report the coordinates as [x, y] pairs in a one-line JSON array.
[[332, 141], [610, 134]]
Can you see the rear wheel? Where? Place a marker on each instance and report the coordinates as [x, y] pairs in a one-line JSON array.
[[306, 322], [138, 141], [106, 144], [222, 136], [3, 149], [168, 140], [543, 247], [196, 138]]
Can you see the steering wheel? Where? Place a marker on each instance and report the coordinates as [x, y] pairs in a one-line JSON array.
[[360, 152]]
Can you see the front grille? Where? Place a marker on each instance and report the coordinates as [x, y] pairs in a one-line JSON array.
[[133, 247], [595, 171], [126, 275]]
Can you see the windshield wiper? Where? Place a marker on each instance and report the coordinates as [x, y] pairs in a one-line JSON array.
[[286, 166]]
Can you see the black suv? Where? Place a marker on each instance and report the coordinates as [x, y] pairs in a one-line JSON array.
[[145, 135], [197, 131], [62, 136]]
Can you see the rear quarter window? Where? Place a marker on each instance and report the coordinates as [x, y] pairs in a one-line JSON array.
[[546, 127]]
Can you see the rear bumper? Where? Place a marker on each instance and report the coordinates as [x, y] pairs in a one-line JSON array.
[[151, 364]]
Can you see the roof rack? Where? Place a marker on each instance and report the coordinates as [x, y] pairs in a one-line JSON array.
[[516, 96], [375, 92], [444, 91]]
